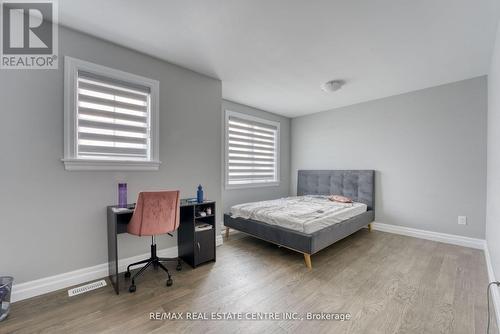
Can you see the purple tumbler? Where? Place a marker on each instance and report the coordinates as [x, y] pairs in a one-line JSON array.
[[122, 195]]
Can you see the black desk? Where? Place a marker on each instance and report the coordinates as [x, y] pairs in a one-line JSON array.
[[195, 247]]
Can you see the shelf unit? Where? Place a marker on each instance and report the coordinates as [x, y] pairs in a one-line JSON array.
[[197, 247]]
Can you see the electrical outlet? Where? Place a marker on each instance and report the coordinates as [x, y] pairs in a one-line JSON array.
[[462, 220]]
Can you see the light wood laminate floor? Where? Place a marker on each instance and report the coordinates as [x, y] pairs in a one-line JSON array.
[[388, 283]]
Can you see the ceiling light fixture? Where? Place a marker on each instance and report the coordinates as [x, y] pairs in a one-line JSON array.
[[332, 85]]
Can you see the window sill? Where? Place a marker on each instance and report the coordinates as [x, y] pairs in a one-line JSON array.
[[251, 185], [107, 165]]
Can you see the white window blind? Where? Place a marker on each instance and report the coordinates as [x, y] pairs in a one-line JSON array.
[[113, 119], [252, 150]]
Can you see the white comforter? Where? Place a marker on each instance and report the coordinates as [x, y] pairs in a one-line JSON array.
[[306, 214]]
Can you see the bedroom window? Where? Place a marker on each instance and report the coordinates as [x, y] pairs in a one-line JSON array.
[[252, 151], [111, 119]]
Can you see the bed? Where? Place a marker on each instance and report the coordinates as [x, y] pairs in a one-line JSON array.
[[311, 186]]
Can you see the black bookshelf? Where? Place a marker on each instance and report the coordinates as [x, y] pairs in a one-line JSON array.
[[196, 247]]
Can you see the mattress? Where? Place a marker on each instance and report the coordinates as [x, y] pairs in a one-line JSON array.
[[306, 214]]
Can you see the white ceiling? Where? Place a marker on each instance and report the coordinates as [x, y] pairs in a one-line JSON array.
[[275, 54]]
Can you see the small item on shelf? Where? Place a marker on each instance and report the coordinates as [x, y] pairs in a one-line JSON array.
[[120, 210], [199, 194], [209, 211], [191, 200], [202, 227], [122, 195], [202, 214]]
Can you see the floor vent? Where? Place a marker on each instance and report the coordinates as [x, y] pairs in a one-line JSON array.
[[86, 288]]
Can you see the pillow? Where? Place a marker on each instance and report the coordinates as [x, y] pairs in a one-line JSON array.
[[340, 199]]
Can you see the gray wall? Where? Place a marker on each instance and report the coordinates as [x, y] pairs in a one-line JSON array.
[[428, 148], [54, 221], [238, 196], [493, 179]]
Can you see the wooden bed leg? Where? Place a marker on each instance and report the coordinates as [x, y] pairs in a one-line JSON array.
[[307, 259], [227, 233], [370, 227]]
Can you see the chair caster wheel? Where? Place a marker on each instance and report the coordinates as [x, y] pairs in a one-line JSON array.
[[127, 274], [132, 289], [179, 267], [170, 282]]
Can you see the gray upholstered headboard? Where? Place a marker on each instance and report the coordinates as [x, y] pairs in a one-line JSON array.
[[356, 184]]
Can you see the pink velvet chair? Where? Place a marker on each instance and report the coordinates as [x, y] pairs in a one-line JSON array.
[[155, 213]]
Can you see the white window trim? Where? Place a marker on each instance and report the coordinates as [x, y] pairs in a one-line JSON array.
[[71, 162], [228, 186]]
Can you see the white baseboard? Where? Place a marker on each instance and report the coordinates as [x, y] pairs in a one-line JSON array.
[[422, 234], [495, 293], [61, 281], [218, 240], [429, 235]]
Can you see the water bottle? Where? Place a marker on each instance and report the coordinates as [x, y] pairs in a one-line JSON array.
[[122, 195], [199, 194]]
